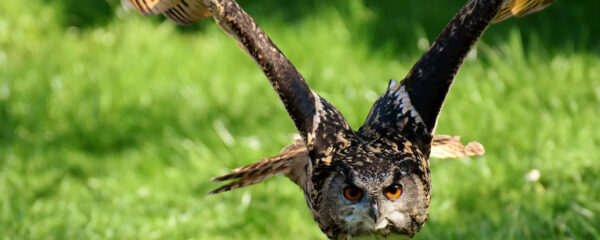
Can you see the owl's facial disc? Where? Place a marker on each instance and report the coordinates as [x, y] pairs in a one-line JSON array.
[[381, 195]]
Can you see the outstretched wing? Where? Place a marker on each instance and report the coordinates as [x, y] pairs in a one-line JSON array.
[[317, 121], [411, 108]]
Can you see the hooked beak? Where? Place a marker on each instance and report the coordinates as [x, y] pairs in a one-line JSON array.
[[373, 211]]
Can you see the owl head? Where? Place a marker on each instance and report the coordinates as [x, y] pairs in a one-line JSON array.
[[381, 189]]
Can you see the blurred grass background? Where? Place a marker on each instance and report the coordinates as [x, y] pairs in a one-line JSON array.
[[112, 124]]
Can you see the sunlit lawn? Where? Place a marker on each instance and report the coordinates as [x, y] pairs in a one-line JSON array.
[[113, 130]]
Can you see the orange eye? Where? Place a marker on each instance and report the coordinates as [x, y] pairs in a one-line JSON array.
[[393, 191], [352, 193]]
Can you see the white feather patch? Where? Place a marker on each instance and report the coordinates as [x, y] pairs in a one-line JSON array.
[[403, 102]]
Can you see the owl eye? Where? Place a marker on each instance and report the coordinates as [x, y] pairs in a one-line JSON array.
[[393, 191], [352, 193]]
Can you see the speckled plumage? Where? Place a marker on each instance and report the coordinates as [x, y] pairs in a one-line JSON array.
[[293, 159], [390, 151]]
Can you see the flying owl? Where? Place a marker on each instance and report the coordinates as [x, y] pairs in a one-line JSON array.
[[374, 182]]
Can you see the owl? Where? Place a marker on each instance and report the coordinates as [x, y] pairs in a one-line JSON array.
[[374, 182]]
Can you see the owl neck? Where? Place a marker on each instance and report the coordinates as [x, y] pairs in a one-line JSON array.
[[430, 79]]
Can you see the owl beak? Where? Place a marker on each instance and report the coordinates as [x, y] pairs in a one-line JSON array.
[[373, 212]]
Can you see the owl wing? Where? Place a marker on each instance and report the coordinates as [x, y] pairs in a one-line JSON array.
[[317, 121], [411, 107]]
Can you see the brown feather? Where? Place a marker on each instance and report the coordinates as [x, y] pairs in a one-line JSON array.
[[179, 11], [525, 7], [444, 146], [248, 180], [265, 168], [187, 11], [521, 8], [154, 7]]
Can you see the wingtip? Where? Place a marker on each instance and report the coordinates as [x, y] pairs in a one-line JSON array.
[[224, 188], [213, 192], [445, 146], [525, 7], [474, 149], [520, 8]]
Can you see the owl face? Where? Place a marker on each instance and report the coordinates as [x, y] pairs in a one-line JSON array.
[[378, 192]]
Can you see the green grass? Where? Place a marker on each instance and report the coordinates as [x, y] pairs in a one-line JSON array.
[[112, 129]]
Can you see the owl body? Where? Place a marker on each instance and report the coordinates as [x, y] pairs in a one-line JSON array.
[[374, 182], [370, 162]]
